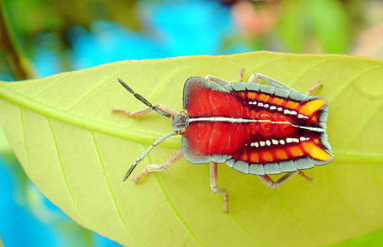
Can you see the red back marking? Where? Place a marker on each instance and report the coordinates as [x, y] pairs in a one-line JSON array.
[[250, 126]]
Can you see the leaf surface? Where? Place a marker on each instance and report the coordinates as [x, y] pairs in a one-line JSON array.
[[76, 152], [4, 146]]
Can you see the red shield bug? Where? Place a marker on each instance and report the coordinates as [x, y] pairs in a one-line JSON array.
[[253, 127]]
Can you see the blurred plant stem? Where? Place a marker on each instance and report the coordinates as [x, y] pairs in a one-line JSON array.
[[22, 68]]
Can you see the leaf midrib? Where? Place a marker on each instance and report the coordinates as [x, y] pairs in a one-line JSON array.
[[133, 135]]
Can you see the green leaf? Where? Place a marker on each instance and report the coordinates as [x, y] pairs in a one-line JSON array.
[[72, 147], [371, 239], [4, 146]]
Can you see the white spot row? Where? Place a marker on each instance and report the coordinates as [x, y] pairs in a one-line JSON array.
[[273, 107], [302, 116], [278, 142]]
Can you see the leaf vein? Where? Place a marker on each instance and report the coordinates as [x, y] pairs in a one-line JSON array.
[[50, 85], [89, 93], [292, 213], [24, 141], [172, 205], [307, 70], [363, 124], [348, 82], [110, 189], [237, 222], [343, 201], [61, 166]]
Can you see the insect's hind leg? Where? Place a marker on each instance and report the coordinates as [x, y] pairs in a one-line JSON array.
[[214, 186], [315, 87], [135, 114], [274, 184], [255, 77]]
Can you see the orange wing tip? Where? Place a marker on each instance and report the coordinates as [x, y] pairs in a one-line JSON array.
[[316, 152], [312, 106]]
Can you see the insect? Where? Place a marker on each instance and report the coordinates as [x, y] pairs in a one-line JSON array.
[[253, 127]]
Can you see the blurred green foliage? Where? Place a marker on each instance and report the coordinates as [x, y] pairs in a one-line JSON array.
[[315, 25], [28, 19], [301, 26]]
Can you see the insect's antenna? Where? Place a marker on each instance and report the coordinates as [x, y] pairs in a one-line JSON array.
[[143, 155], [142, 99]]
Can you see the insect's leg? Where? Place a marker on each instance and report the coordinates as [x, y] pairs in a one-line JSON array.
[[160, 167], [315, 87], [216, 80], [270, 183], [300, 172], [167, 110], [214, 186], [241, 70], [135, 114], [157, 108], [256, 76], [274, 184]]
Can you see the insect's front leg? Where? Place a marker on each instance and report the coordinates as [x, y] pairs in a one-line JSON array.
[[274, 184], [214, 186], [216, 80], [160, 167], [222, 82], [135, 114]]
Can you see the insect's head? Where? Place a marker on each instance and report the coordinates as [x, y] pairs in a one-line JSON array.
[[180, 122]]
